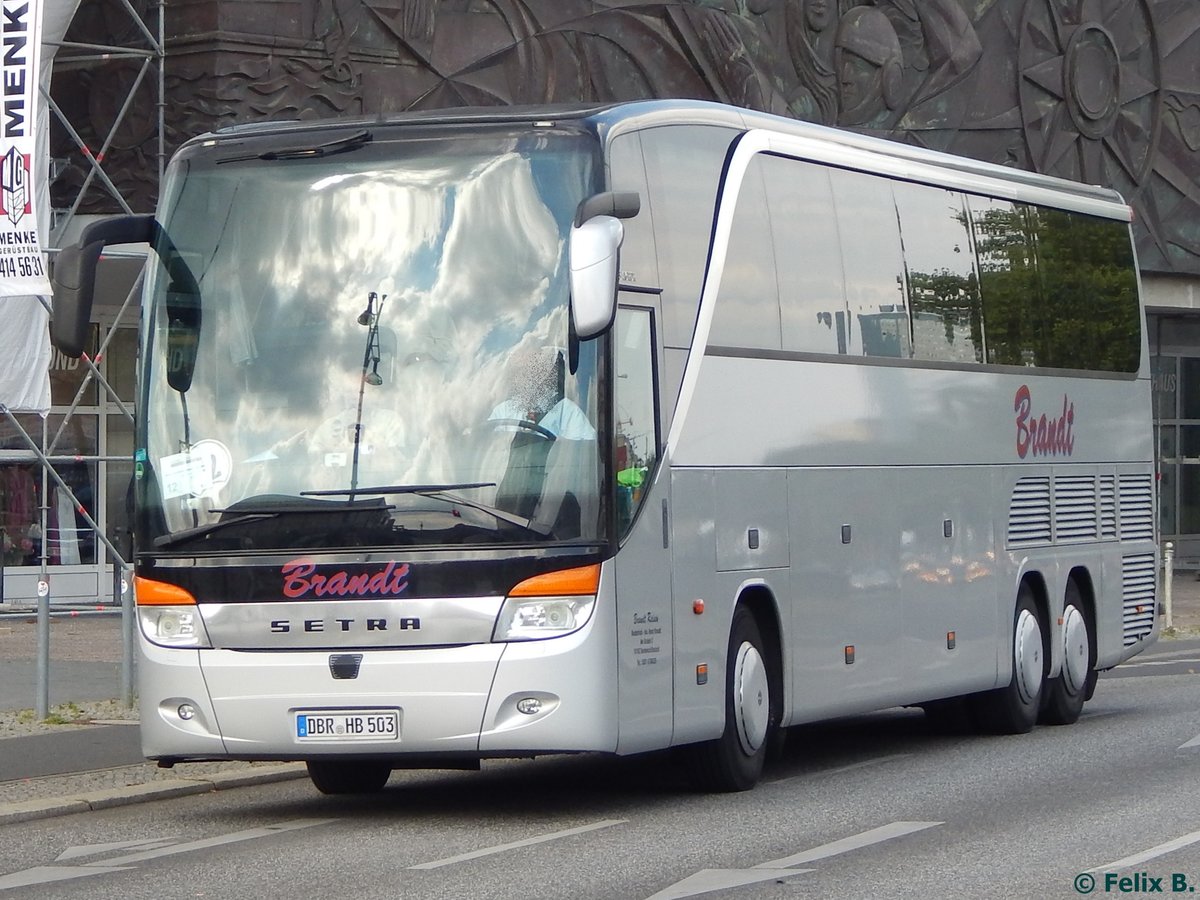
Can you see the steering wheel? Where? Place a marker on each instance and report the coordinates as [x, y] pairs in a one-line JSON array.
[[524, 425]]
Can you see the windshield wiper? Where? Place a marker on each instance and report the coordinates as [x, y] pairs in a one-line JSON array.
[[266, 509], [313, 151], [401, 489], [179, 537], [439, 492]]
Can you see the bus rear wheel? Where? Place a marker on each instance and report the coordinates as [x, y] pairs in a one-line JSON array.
[[348, 776], [734, 761], [1013, 709], [1066, 694]]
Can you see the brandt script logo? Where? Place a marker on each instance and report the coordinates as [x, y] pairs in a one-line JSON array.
[[301, 579], [15, 198], [1041, 435]]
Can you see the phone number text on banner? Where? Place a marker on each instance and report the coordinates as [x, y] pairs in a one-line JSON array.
[[22, 265]]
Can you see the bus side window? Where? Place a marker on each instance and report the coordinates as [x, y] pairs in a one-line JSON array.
[[636, 432], [941, 285], [808, 253], [874, 268]]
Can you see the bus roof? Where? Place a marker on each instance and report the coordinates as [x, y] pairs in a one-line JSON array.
[[612, 119]]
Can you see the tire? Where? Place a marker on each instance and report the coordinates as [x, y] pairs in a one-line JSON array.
[[1013, 709], [734, 761], [1065, 695], [348, 777]]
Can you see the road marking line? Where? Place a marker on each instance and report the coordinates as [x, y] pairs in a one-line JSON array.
[[1161, 850], [48, 874], [234, 838], [1194, 742], [97, 849], [840, 769], [1159, 662], [845, 845], [707, 880], [515, 845]]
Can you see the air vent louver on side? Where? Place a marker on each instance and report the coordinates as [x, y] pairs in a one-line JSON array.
[[1138, 603], [1108, 508], [1029, 513], [1136, 507], [1075, 508]]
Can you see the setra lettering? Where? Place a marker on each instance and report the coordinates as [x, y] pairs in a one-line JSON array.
[[1041, 435]]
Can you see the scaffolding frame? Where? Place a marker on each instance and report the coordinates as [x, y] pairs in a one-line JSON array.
[[150, 50]]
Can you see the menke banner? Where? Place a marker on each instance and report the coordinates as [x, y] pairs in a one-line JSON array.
[[22, 264]]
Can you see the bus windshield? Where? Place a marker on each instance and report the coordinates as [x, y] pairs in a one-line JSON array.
[[368, 348]]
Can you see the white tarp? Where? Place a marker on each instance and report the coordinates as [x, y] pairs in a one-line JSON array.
[[24, 355], [31, 32]]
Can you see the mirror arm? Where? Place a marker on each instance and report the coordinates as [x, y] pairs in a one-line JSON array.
[[121, 230], [618, 204], [74, 276]]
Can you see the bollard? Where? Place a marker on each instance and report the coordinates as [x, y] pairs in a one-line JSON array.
[[1168, 580], [128, 637]]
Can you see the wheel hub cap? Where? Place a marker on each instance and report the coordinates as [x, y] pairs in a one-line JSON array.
[[1027, 656], [751, 698], [1075, 650]]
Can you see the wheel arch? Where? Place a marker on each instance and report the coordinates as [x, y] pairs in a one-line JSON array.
[[762, 603], [1036, 582], [1082, 578]]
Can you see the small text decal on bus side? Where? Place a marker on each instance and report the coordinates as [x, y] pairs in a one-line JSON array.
[[1042, 435], [300, 579]]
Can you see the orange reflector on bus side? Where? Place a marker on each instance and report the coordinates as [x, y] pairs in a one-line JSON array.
[[565, 583], [157, 593]]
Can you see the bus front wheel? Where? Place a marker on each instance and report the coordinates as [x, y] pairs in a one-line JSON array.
[[734, 761], [1013, 709], [348, 776]]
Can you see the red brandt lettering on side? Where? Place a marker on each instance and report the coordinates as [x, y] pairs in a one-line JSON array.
[[1041, 436], [300, 579]]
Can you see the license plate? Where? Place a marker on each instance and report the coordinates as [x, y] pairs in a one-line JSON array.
[[348, 725]]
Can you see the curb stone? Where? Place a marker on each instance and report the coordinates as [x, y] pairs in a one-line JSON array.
[[87, 801]]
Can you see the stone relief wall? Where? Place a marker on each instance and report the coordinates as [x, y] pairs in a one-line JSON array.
[[1102, 91]]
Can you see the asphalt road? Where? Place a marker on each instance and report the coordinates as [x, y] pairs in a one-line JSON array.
[[876, 806]]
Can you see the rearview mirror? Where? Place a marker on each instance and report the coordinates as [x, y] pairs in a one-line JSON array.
[[74, 276], [183, 334], [594, 253]]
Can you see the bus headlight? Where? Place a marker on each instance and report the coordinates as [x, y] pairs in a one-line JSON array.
[[548, 605], [168, 615], [173, 626], [532, 619]]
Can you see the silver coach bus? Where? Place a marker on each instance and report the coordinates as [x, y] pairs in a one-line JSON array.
[[493, 433]]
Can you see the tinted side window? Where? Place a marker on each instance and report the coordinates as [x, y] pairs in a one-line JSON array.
[[1059, 289], [747, 310], [940, 280], [874, 269], [1088, 277], [1014, 312], [812, 299], [683, 167]]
